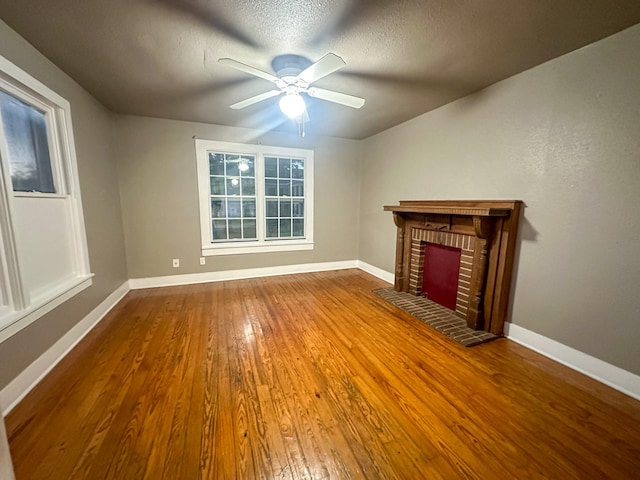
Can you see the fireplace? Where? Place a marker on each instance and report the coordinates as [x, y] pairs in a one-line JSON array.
[[482, 234]]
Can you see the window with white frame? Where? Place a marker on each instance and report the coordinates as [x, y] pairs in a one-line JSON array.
[[254, 198], [43, 251]]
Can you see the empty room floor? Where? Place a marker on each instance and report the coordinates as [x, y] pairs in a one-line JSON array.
[[310, 376]]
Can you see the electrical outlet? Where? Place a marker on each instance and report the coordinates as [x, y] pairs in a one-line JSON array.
[[176, 262], [202, 261]]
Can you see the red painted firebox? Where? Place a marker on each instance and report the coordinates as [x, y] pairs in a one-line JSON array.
[[441, 271]]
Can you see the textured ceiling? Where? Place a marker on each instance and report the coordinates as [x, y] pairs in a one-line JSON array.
[[158, 57]]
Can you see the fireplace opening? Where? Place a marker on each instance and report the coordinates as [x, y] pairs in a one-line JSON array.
[[441, 272]]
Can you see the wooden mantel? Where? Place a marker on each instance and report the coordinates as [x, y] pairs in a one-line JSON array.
[[491, 227]]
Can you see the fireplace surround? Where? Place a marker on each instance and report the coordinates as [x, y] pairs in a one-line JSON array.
[[485, 232]]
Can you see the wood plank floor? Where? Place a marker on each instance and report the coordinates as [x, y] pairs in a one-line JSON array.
[[310, 376]]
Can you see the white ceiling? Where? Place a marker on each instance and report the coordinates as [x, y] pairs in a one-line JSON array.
[[158, 58]]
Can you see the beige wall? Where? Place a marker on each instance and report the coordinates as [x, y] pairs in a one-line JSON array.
[[98, 180], [157, 168], [565, 138]]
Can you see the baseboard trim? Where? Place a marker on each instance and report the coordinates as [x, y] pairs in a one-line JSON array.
[[615, 377], [206, 277], [376, 272], [20, 386], [6, 467]]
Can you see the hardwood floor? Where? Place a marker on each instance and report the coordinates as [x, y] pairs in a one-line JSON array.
[[310, 376]]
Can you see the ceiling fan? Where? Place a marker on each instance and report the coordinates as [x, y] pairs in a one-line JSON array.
[[294, 75]]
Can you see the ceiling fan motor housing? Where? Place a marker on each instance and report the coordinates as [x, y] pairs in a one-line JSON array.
[[289, 65]]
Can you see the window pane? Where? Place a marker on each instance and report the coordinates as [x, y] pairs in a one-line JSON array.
[[248, 186], [218, 208], [271, 188], [270, 167], [235, 229], [285, 208], [232, 164], [248, 208], [272, 208], [284, 188], [247, 167], [233, 208], [285, 227], [298, 227], [298, 208], [272, 228], [217, 185], [25, 130], [284, 168], [219, 231], [233, 186], [249, 229], [297, 188], [297, 168], [216, 164], [233, 191]]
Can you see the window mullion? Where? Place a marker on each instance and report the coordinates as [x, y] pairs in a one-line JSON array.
[[260, 198]]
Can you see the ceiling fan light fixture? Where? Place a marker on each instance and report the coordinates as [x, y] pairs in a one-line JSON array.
[[292, 105]]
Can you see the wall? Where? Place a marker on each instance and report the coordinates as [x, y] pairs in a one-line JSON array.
[[157, 169], [565, 138], [103, 221]]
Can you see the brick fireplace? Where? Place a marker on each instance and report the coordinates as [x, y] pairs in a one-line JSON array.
[[484, 232]]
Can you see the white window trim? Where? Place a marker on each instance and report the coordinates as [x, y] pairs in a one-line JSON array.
[[261, 245], [24, 310]]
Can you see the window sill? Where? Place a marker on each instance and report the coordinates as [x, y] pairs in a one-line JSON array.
[[239, 249], [15, 321], [40, 195]]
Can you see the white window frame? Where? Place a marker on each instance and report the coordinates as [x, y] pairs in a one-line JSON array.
[[210, 248], [19, 308]]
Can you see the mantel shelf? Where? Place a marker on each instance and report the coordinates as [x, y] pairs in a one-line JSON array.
[[479, 212], [479, 208]]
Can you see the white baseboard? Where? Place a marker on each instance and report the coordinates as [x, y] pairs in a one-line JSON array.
[[20, 386], [205, 277], [615, 377], [376, 272], [6, 467]]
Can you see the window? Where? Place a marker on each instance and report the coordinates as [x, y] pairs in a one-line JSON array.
[[233, 197], [43, 251], [25, 131], [254, 198], [284, 194]]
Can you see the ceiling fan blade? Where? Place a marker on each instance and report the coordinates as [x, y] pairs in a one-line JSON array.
[[247, 69], [323, 67], [336, 97], [255, 99]]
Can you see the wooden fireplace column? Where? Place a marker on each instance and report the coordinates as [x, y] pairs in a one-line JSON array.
[[493, 224]]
